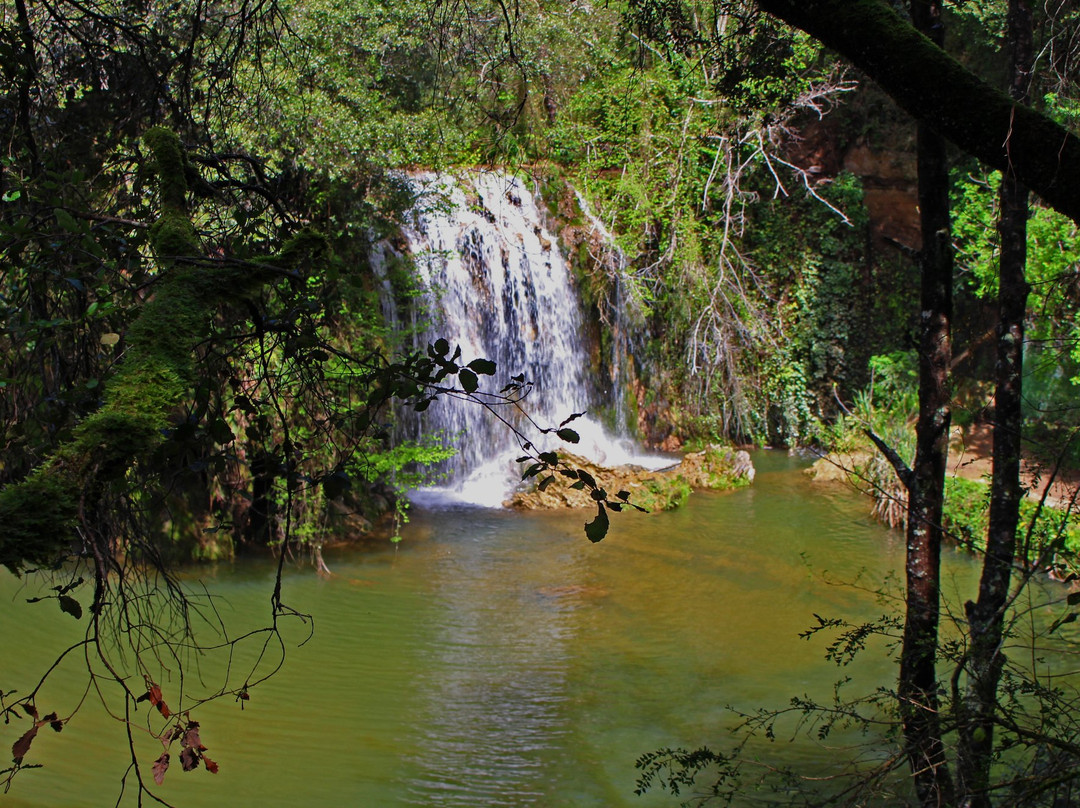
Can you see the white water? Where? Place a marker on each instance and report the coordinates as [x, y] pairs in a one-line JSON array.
[[496, 285]]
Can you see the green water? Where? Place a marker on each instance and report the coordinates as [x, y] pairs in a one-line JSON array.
[[500, 659]]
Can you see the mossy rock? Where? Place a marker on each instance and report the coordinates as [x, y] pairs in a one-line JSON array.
[[716, 468]]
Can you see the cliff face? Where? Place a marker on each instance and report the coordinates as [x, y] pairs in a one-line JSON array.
[[882, 156]]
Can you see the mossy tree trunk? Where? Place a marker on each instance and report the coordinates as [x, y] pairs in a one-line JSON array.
[[41, 515]]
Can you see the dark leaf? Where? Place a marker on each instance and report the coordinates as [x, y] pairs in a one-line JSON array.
[[22, 746], [485, 367], [440, 348], [191, 736], [573, 417], [71, 606], [189, 759], [598, 527], [469, 382], [599, 494], [532, 471], [586, 478], [1061, 621], [423, 404], [336, 484], [1073, 598], [161, 765], [623, 495], [544, 483], [551, 458], [568, 435], [615, 506], [220, 432], [578, 486], [319, 356], [523, 459]]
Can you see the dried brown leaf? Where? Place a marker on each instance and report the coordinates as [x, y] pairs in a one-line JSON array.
[[22, 746], [189, 759], [161, 765]]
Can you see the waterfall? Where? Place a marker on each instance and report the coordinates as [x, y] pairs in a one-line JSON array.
[[493, 281]]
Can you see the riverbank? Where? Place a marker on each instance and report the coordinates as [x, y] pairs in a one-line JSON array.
[[1047, 513]]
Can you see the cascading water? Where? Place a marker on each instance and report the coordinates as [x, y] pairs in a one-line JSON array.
[[495, 284]]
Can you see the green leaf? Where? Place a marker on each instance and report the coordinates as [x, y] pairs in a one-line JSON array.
[[468, 379], [71, 606], [568, 435], [65, 220], [11, 196], [598, 527], [1073, 598], [485, 367]]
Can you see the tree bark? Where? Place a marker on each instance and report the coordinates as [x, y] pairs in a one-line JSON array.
[[935, 88], [918, 685], [986, 617]]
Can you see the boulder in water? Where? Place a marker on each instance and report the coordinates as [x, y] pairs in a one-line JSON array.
[[716, 468]]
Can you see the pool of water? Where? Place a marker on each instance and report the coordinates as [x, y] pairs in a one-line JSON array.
[[496, 658]]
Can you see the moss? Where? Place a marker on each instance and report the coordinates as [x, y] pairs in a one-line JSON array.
[[662, 493], [173, 235], [109, 439], [306, 247], [164, 145], [38, 517]]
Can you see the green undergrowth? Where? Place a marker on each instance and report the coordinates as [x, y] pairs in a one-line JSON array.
[[967, 518]]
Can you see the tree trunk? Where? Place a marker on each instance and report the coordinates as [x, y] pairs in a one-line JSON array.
[[986, 617], [918, 685]]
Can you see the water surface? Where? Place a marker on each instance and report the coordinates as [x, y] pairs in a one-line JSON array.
[[500, 659]]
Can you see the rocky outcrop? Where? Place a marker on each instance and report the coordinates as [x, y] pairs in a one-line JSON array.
[[716, 468]]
